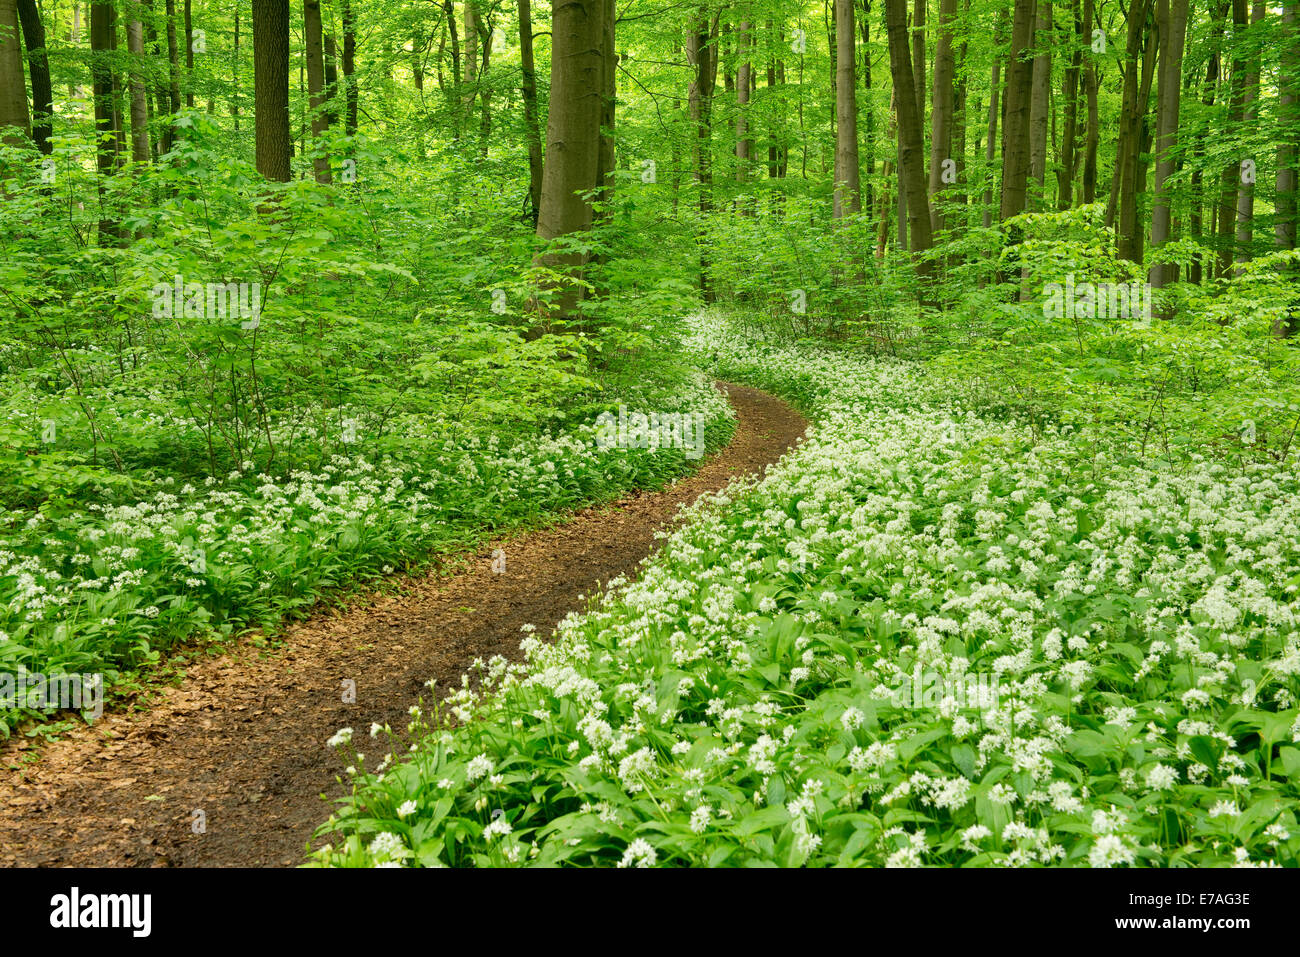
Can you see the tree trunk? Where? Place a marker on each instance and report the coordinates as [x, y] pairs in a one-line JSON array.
[[38, 67], [1284, 230], [1015, 123], [271, 87], [848, 173], [1038, 102], [1093, 135], [349, 68], [941, 111], [1250, 113], [139, 101], [701, 53], [912, 158], [529, 92], [604, 182], [103, 34], [189, 54], [1070, 93], [744, 71], [314, 41], [1231, 176], [15, 122], [990, 147], [1218, 13], [1128, 180], [1171, 19], [572, 135]]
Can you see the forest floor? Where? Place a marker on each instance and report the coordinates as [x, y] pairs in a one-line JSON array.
[[243, 737]]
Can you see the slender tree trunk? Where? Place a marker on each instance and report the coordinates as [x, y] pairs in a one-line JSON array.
[[314, 41], [701, 53], [604, 182], [1231, 176], [1171, 18], [350, 68], [1015, 124], [271, 87], [1038, 102], [189, 54], [744, 71], [1070, 93], [1246, 190], [1284, 230], [912, 159], [941, 112], [529, 92], [139, 99], [848, 173], [103, 16], [38, 67], [1218, 13], [990, 147], [234, 75], [1093, 135]]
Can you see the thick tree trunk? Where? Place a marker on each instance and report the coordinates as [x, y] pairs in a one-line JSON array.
[[941, 111], [529, 92], [314, 41], [38, 68], [604, 183], [912, 158], [572, 135], [848, 181], [1171, 19], [271, 87], [15, 121]]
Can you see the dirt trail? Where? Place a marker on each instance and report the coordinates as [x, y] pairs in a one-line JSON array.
[[243, 737]]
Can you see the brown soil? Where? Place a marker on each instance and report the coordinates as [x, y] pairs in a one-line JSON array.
[[242, 737]]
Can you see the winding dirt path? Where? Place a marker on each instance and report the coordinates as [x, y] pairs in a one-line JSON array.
[[243, 737]]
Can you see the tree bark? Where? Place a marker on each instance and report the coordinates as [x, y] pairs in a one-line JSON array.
[[912, 158], [1284, 230], [1015, 123], [848, 172], [314, 41], [1231, 175], [572, 135], [990, 147], [139, 100], [103, 42], [349, 68], [38, 68], [1038, 102], [1171, 18], [744, 71], [1070, 93], [1093, 136], [941, 110], [1250, 113], [271, 87], [529, 93]]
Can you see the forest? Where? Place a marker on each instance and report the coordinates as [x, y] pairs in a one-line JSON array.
[[633, 433]]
